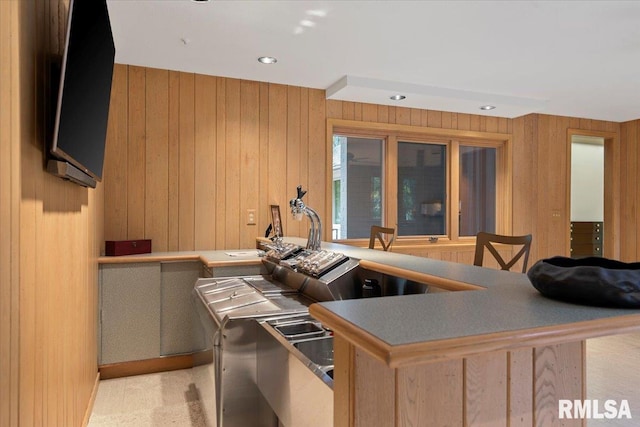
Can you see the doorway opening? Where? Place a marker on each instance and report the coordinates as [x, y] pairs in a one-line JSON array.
[[587, 196], [591, 197]]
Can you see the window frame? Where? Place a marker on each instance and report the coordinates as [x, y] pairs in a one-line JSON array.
[[391, 134]]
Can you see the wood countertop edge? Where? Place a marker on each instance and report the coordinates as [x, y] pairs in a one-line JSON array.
[[428, 279], [130, 259], [360, 338], [231, 263], [404, 355]]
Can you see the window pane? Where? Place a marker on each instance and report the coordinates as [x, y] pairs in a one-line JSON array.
[[422, 183], [477, 190], [357, 186]]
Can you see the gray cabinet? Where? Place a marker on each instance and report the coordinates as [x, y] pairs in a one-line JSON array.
[[146, 311], [180, 330], [129, 312]]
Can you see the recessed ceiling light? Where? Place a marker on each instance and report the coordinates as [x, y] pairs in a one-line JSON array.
[[397, 97], [199, 1], [488, 107], [267, 60]]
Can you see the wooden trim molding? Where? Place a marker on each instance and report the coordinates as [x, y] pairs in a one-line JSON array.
[[148, 366], [127, 259], [177, 257], [427, 279], [437, 132], [92, 401]]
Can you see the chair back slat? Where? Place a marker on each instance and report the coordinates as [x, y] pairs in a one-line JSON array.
[[486, 240], [379, 233]]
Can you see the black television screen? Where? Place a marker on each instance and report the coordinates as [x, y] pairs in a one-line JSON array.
[[82, 111]]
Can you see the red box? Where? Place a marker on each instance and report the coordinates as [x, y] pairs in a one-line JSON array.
[[127, 247]]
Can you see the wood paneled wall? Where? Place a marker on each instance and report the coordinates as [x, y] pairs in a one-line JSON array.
[[630, 190], [9, 214], [50, 235], [188, 155], [540, 164]]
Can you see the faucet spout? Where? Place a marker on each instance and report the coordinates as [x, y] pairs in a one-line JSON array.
[[315, 231]]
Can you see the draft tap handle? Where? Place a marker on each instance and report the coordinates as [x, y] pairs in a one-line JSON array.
[[301, 192]]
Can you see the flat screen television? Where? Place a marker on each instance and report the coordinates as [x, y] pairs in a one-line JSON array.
[[82, 111]]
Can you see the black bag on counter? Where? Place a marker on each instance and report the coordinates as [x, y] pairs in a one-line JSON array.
[[592, 281]]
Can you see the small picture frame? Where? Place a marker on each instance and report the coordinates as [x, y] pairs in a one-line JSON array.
[[276, 221]]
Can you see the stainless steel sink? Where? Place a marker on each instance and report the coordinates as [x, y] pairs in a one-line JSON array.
[[300, 330], [295, 371], [319, 350]]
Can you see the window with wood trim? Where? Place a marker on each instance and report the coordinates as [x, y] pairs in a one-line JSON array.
[[424, 182]]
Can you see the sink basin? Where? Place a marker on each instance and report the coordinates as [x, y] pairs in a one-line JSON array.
[[300, 330], [319, 351]]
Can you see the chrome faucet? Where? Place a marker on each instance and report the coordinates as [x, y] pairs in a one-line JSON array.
[[315, 231]]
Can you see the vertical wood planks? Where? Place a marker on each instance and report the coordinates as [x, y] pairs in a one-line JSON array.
[[294, 168], [629, 189], [9, 243], [264, 215], [156, 197], [205, 165], [115, 168], [520, 377], [186, 162], [316, 164], [136, 149], [220, 162], [250, 162], [233, 216], [424, 387], [501, 388], [634, 166], [221, 146], [173, 167], [277, 152], [303, 156], [557, 375], [485, 389], [376, 381], [343, 384]]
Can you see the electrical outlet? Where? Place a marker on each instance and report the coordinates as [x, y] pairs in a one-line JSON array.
[[251, 217]]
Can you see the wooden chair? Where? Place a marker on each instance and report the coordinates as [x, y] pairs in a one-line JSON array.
[[379, 233], [486, 240]]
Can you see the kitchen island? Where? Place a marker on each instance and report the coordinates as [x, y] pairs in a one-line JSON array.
[[499, 355]]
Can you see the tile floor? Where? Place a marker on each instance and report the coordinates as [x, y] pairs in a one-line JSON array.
[[171, 398], [154, 400], [613, 373]]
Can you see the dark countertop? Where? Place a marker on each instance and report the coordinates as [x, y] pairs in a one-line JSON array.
[[510, 312]]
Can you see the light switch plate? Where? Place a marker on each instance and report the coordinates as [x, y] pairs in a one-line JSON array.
[[251, 217]]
